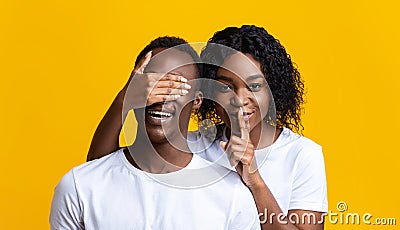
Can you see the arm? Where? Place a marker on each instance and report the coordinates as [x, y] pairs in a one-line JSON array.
[[142, 89], [240, 153], [275, 218], [105, 139]]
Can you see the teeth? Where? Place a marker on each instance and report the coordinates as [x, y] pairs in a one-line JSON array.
[[160, 113]]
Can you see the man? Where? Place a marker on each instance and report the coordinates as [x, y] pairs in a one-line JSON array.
[[156, 183]]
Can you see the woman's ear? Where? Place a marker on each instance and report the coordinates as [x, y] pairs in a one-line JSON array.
[[197, 100]]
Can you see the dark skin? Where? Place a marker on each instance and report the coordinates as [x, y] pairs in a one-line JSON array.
[[160, 134], [247, 95], [248, 133], [159, 87]]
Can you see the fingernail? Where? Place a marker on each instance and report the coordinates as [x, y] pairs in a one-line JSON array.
[[183, 79], [186, 86], [184, 91]]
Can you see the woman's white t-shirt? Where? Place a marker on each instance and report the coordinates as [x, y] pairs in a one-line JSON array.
[[292, 167]]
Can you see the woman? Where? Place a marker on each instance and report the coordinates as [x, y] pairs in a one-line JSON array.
[[290, 180], [289, 186]]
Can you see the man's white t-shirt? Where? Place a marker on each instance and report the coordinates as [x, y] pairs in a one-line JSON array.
[[292, 167], [109, 193]]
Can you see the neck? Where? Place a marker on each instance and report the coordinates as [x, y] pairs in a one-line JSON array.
[[159, 157]]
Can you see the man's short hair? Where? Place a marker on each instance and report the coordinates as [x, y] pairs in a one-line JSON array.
[[171, 42]]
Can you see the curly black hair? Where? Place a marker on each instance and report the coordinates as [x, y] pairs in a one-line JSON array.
[[281, 74]]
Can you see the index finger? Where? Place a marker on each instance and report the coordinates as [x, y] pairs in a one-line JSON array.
[[243, 125]]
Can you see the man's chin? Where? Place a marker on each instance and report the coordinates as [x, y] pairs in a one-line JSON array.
[[156, 135]]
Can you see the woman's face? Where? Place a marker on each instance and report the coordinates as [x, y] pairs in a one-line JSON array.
[[243, 86]]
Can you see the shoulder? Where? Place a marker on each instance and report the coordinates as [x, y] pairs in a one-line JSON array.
[[298, 146], [68, 200], [298, 153], [102, 163], [207, 148], [218, 175], [90, 171]]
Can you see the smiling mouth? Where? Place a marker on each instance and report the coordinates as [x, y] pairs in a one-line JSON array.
[[159, 114], [246, 115]]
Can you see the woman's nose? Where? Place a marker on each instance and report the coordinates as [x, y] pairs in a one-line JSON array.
[[240, 98]]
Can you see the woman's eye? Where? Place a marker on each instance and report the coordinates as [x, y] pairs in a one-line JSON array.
[[255, 87], [225, 88]]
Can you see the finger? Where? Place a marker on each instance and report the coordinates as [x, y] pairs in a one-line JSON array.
[[172, 84], [233, 163], [239, 168], [227, 149], [143, 63], [161, 98], [245, 144], [174, 77], [167, 79], [232, 160], [169, 91], [238, 156], [223, 144], [243, 125], [238, 149], [247, 160], [237, 140]]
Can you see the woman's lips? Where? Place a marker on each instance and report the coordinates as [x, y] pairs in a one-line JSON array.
[[246, 116]]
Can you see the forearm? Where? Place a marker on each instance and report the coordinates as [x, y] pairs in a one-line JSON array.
[[106, 137], [271, 215]]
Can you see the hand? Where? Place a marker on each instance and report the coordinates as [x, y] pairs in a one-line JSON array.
[[240, 152], [144, 89]]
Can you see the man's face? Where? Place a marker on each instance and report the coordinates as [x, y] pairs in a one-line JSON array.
[[170, 119]]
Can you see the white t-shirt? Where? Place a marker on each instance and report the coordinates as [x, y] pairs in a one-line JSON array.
[[109, 193], [292, 167]]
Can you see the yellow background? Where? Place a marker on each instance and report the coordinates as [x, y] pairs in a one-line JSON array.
[[63, 62]]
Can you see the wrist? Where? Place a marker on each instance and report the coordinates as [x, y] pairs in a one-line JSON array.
[[257, 184]]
